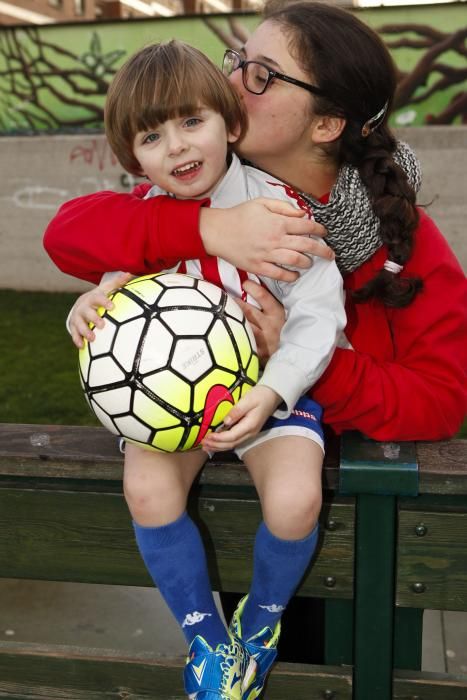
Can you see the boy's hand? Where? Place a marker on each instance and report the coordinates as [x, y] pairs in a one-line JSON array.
[[247, 418], [85, 308]]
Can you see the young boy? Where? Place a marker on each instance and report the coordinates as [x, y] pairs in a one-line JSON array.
[[172, 116]]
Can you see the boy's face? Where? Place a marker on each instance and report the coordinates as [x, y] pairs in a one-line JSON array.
[[187, 155]]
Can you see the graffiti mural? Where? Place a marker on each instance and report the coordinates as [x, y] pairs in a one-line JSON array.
[[54, 79]]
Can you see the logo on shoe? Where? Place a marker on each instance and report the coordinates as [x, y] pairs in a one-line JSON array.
[[194, 617], [198, 671], [274, 608]]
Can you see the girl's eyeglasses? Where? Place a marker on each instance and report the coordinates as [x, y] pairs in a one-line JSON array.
[[257, 76]]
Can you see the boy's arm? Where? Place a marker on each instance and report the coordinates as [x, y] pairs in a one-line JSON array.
[[107, 230], [85, 309], [315, 322]]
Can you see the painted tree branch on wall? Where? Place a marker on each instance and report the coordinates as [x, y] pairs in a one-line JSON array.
[[414, 87], [39, 78], [46, 86]]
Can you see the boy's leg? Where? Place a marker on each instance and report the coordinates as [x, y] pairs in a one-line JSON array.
[[156, 487], [287, 475]]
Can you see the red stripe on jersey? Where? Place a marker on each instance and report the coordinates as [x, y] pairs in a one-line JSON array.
[[243, 277], [210, 271]]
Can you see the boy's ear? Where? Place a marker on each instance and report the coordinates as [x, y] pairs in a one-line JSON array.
[[233, 136], [327, 129]]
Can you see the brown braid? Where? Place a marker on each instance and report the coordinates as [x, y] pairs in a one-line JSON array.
[[393, 201], [349, 61]]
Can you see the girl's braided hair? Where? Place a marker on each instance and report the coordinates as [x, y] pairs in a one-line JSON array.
[[351, 64]]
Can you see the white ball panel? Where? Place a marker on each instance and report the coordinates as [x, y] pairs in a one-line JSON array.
[[103, 417], [233, 309], [132, 429], [104, 337], [104, 370], [173, 279], [191, 358], [250, 334], [127, 341], [156, 349], [184, 297], [187, 321], [214, 293], [114, 401]]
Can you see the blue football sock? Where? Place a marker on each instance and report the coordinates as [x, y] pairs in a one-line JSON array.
[[174, 556], [278, 568]]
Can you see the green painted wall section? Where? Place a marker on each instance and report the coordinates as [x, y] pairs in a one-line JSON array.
[[54, 78]]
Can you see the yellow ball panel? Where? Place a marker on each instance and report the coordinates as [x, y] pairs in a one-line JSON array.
[[242, 340], [221, 412], [252, 371], [245, 388], [124, 308], [146, 288], [222, 348], [170, 388], [168, 440], [191, 439], [153, 414], [83, 359]]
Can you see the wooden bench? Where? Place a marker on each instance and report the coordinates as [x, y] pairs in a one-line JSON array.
[[393, 543]]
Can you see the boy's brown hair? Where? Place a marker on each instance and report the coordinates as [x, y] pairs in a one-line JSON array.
[[160, 82]]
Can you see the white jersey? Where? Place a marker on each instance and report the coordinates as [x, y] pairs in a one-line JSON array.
[[314, 303]]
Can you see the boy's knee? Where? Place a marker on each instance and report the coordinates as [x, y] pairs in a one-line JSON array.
[[153, 501], [293, 513]]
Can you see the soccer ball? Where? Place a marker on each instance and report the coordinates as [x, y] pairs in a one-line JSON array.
[[174, 355]]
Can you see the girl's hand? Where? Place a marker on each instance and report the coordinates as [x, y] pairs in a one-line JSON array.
[[85, 308], [261, 235], [244, 420], [265, 322]]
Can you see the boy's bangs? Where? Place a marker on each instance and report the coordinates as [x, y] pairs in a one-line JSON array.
[[172, 96]]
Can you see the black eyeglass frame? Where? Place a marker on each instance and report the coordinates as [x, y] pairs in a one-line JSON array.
[[272, 74]]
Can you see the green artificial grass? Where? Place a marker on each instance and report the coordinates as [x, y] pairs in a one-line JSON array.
[[39, 379]]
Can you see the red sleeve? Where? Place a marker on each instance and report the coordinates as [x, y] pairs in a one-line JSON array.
[[414, 388], [106, 231]]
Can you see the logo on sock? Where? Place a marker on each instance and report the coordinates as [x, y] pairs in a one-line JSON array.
[[194, 617], [274, 608]]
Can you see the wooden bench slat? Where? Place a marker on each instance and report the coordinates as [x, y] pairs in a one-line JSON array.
[[91, 452], [422, 685], [437, 560], [87, 537], [71, 673], [83, 452]]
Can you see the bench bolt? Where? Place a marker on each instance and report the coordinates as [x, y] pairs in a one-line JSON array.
[[418, 587], [421, 530], [330, 581]]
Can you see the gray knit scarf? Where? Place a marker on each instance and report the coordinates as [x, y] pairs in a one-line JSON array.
[[353, 228]]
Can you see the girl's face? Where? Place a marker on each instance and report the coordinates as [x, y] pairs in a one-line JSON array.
[[186, 156], [279, 120]]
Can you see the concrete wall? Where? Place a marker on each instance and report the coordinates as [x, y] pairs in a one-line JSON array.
[[39, 173]]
